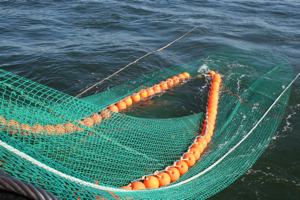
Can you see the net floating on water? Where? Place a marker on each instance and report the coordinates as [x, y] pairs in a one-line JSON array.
[[73, 159]]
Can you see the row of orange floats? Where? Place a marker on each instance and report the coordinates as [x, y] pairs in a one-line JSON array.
[[148, 92], [12, 126], [180, 167]]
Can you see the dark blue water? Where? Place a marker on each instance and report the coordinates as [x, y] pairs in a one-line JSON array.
[[72, 45]]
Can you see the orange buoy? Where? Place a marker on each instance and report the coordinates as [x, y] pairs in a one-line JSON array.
[[195, 152], [202, 141], [187, 75], [128, 101], [217, 78], [170, 82], [214, 96], [163, 179], [89, 122], [70, 128], [138, 185], [26, 129], [150, 91], [207, 137], [215, 86], [213, 102], [174, 80], [189, 159], [3, 123], [97, 118], [182, 167], [151, 182], [173, 173], [181, 77], [113, 108], [156, 88], [79, 126], [121, 105], [143, 93], [212, 111], [105, 114], [37, 128], [49, 129], [60, 129], [126, 188], [136, 97], [212, 73], [199, 146], [210, 132], [13, 126], [163, 85]]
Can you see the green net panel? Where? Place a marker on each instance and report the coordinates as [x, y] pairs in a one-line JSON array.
[[121, 148]]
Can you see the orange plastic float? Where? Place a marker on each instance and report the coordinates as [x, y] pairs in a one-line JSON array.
[[151, 182], [113, 108], [163, 85], [170, 82], [138, 185], [173, 173], [195, 152], [175, 80], [156, 88], [182, 167], [150, 91], [136, 97], [189, 159], [143, 93], [121, 105], [128, 101], [181, 76], [163, 179], [186, 75]]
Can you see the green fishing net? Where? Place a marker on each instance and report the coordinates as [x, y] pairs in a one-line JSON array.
[[122, 148]]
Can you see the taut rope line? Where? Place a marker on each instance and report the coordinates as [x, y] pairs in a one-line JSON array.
[[145, 56]]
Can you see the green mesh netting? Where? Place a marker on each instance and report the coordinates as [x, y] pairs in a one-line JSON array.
[[123, 148]]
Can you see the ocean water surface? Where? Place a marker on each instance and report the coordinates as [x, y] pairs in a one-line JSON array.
[[70, 45]]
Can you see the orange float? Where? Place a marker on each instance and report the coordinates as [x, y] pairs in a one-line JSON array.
[[151, 182], [195, 152], [212, 73], [199, 146], [49, 129], [170, 82], [173, 173], [163, 179], [189, 159], [37, 128], [70, 128], [126, 188], [217, 78], [136, 97], [113, 108], [128, 101], [182, 167], [60, 129], [150, 91], [121, 105], [181, 77], [97, 118], [163, 85], [156, 88], [138, 185], [202, 141], [175, 80], [143, 93], [89, 122], [186, 75]]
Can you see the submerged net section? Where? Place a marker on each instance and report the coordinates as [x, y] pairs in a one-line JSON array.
[[120, 148]]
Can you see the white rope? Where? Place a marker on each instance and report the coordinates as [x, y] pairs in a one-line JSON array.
[[81, 182]]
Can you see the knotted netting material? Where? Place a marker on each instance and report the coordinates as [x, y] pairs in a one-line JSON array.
[[123, 148]]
